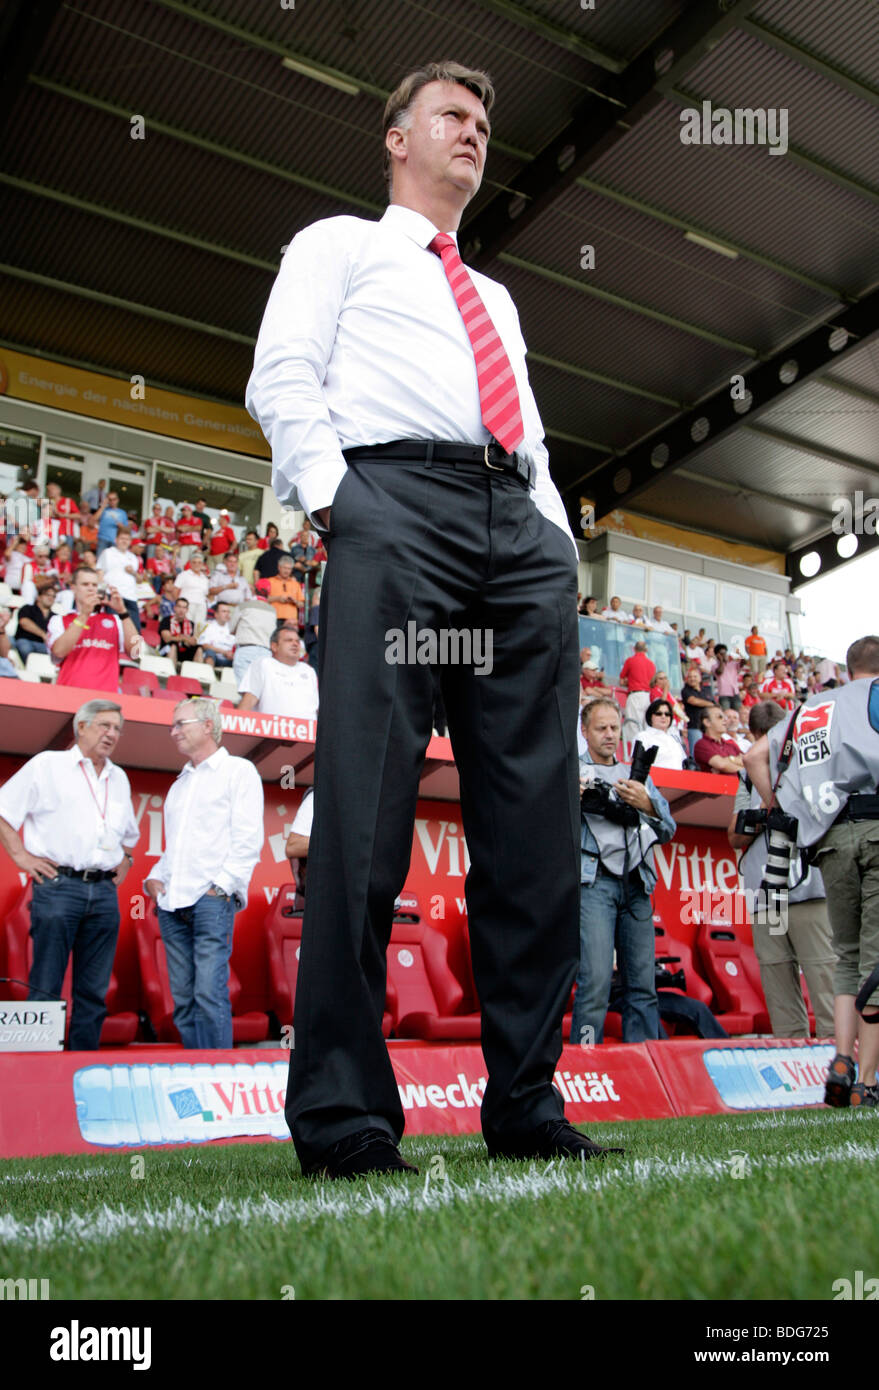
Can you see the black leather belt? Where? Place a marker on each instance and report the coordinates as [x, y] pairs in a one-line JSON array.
[[87, 875], [860, 806], [476, 456]]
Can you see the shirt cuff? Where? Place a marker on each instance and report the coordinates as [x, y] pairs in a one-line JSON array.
[[317, 487]]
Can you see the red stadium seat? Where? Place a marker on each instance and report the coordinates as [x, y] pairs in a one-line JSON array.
[[679, 956], [283, 929], [137, 682], [167, 695], [731, 968], [246, 1028], [118, 1029], [184, 685], [429, 997]]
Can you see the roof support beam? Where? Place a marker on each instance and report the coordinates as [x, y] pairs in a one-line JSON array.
[[569, 283], [55, 195], [850, 389], [819, 451], [554, 33], [281, 50], [830, 557], [617, 103], [129, 305], [808, 59], [806, 161], [211, 146], [615, 484], [746, 252], [742, 490], [589, 375]]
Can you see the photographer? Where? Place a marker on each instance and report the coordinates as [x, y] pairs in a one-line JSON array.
[[829, 759], [623, 817], [87, 640], [785, 943]]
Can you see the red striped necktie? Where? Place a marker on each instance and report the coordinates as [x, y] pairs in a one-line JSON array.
[[498, 393]]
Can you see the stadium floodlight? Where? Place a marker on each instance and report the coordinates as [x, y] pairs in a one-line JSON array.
[[325, 75]]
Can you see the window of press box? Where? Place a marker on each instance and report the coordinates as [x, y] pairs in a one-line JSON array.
[[242, 501], [19, 459]]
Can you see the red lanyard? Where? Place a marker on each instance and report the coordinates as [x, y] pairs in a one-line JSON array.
[[102, 814]]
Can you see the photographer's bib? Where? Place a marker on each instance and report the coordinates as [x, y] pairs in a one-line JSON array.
[[835, 755], [804, 881], [94, 661], [614, 840]]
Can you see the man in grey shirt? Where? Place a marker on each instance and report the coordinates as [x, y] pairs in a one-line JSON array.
[[253, 623]]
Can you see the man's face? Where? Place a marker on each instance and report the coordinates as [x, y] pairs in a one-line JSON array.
[[197, 562], [54, 490], [231, 563], [85, 589], [223, 611], [615, 603], [189, 734], [286, 648], [285, 568], [657, 613], [715, 726], [731, 721], [180, 609], [447, 139], [603, 734], [46, 598], [122, 541], [637, 611], [101, 735], [252, 540], [113, 499]]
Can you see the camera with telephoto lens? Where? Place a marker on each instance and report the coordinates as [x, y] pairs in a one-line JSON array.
[[751, 821], [600, 798]]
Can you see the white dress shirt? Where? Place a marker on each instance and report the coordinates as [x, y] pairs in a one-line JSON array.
[[236, 590], [120, 568], [618, 616], [213, 830], [362, 342], [60, 800], [669, 749], [193, 587], [280, 689], [304, 818]]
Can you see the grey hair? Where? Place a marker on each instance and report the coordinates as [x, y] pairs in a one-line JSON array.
[[87, 712], [201, 707]]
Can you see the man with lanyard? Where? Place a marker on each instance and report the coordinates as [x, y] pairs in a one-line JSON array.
[[392, 385], [616, 879], [87, 641], [823, 767], [791, 941], [79, 828]]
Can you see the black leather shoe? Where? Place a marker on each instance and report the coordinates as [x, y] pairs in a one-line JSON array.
[[554, 1139], [367, 1151]]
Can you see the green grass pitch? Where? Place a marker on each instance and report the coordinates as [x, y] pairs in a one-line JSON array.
[[756, 1206]]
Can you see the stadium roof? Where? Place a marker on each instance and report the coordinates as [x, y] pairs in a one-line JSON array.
[[156, 255]]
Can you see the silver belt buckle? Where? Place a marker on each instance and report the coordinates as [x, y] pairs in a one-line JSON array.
[[495, 466]]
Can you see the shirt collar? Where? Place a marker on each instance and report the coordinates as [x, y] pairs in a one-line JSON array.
[[413, 225], [213, 762], [78, 756]]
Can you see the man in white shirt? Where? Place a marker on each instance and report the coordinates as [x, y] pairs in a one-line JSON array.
[[227, 584], [281, 683], [616, 612], [121, 567], [78, 829], [192, 584], [213, 838], [658, 623], [298, 840], [217, 641], [391, 383]]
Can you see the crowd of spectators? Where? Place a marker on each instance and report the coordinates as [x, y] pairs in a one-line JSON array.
[[194, 587], [704, 724]]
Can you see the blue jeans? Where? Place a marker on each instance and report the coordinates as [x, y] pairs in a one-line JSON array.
[[70, 915], [26, 645], [605, 919], [245, 657], [198, 944]]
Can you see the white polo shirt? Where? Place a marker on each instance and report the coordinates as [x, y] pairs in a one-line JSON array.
[[69, 812], [279, 689]]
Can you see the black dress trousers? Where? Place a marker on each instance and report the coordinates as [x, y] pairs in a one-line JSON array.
[[448, 548]]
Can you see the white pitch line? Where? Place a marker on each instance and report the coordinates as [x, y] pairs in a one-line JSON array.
[[108, 1223], [60, 1175]]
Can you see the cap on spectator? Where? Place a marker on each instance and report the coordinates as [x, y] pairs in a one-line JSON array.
[[186, 506], [224, 512], [263, 588]]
